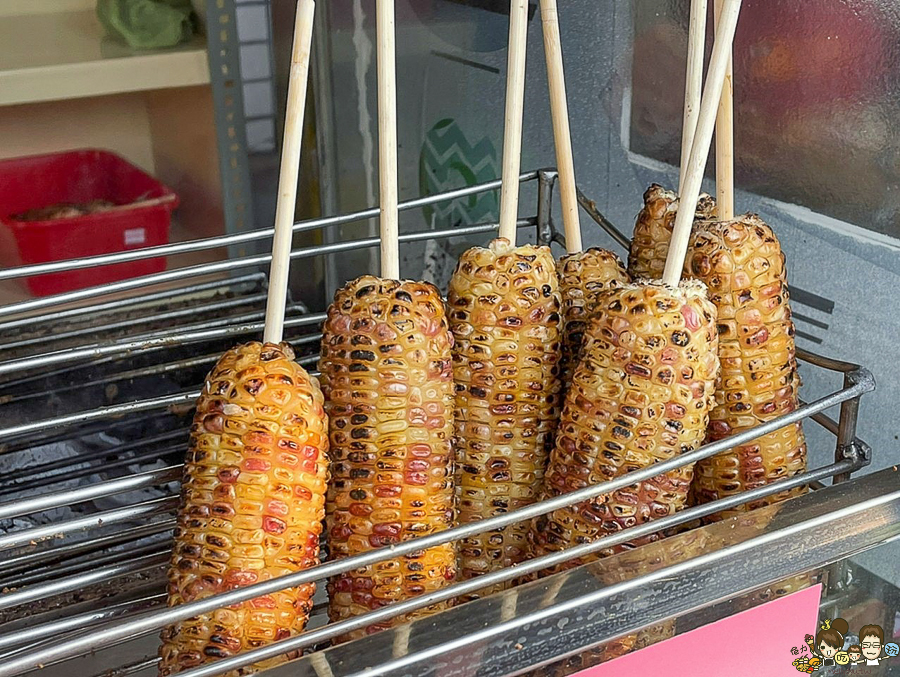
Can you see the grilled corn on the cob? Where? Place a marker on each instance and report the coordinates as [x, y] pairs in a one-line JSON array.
[[388, 383], [640, 394], [253, 501], [583, 278], [504, 312], [653, 231], [742, 263]]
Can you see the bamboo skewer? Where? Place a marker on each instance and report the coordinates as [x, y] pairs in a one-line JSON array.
[[706, 121], [387, 139], [515, 106], [725, 138], [693, 84], [289, 172], [562, 136]]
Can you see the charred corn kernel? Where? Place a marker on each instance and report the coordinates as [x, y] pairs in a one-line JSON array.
[[259, 431], [641, 393], [388, 383], [653, 231], [504, 312], [742, 263], [583, 278]]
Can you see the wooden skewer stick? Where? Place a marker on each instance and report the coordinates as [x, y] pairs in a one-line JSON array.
[[706, 122], [289, 172], [725, 139], [693, 84], [515, 107], [562, 136], [509, 605], [387, 139]]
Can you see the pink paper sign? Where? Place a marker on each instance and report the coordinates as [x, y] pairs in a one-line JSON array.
[[749, 644]]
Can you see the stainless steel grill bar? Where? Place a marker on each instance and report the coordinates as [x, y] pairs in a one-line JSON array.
[[147, 457], [828, 363], [226, 240], [164, 368], [79, 581], [33, 560], [330, 631], [10, 477], [530, 566], [155, 477], [39, 578], [825, 421], [142, 299], [108, 488], [41, 437], [116, 377], [163, 402], [234, 264], [155, 340], [113, 411], [36, 534], [153, 369], [99, 414], [55, 628], [590, 207], [137, 321], [158, 619]]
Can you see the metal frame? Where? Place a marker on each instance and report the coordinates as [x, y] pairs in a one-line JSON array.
[[223, 52], [86, 632]]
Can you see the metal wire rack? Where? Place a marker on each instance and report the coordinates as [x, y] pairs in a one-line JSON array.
[[95, 398]]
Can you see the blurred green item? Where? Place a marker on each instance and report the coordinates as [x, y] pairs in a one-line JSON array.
[[148, 24]]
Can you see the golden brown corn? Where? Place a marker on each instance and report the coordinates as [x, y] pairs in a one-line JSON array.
[[388, 383], [253, 501], [583, 278], [742, 263], [640, 394], [653, 231], [504, 312]]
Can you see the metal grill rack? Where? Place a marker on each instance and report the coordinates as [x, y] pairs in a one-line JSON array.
[[96, 391]]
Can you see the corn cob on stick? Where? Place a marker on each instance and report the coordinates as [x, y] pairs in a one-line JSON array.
[[600, 410], [653, 231], [253, 501], [742, 263], [583, 278], [640, 394], [387, 378], [504, 313]]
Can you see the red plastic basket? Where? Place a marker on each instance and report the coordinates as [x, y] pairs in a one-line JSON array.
[[77, 177]]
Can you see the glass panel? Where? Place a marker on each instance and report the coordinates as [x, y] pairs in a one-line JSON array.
[[816, 91]]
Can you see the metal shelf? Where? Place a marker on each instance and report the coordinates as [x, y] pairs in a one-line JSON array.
[[51, 56]]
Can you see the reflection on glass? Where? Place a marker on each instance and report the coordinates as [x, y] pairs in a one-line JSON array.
[[817, 88]]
